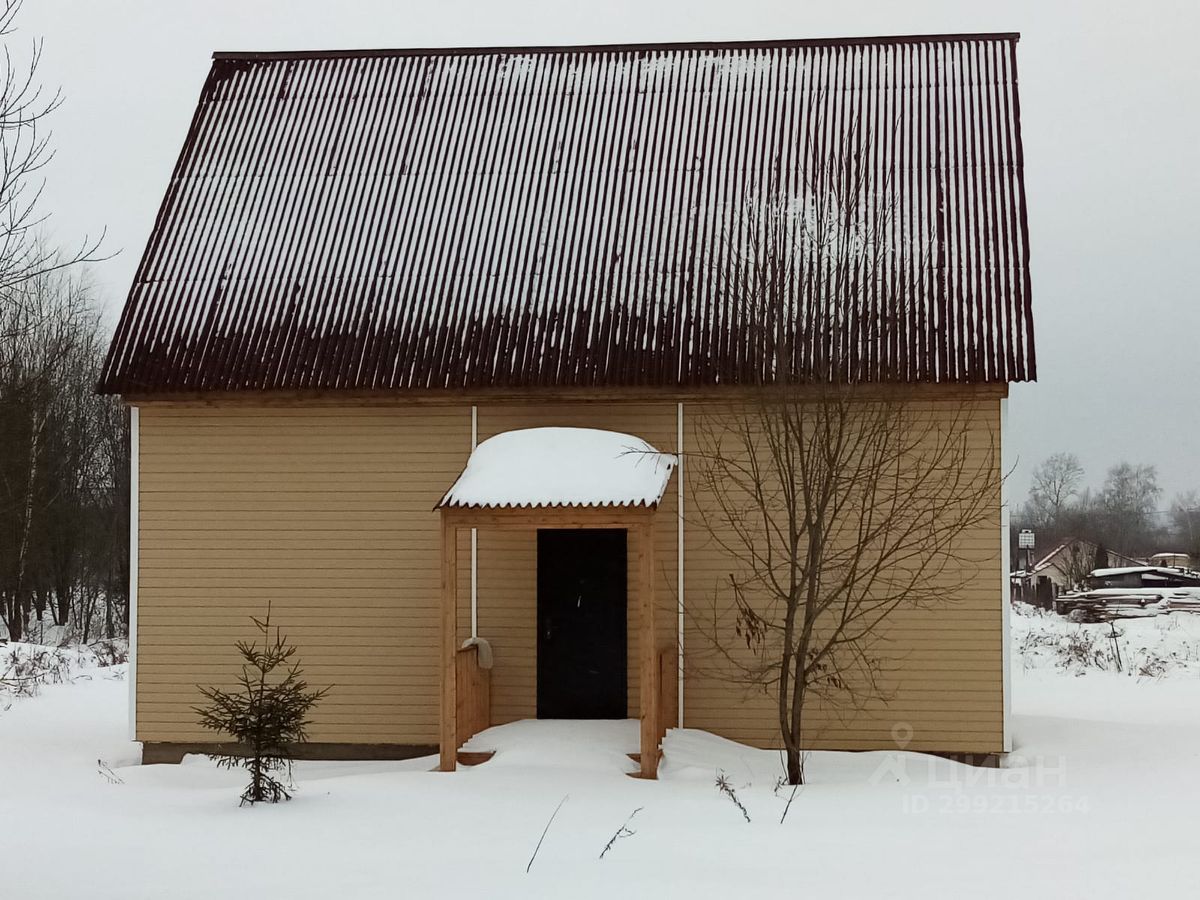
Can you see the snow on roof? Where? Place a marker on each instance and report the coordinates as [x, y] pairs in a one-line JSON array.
[[1128, 570], [562, 467]]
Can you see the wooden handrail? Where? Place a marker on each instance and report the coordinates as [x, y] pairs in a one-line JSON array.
[[474, 694]]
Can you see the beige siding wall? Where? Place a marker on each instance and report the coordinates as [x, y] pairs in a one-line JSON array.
[[327, 514], [941, 687], [324, 513]]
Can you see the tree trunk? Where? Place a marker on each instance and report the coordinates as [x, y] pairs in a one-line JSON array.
[[795, 750], [795, 771], [12, 610], [27, 523], [795, 746], [87, 607], [61, 609]]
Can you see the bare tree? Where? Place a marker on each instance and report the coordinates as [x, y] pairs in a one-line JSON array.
[[53, 469], [42, 332], [1077, 561], [62, 464], [1056, 482], [1185, 517], [838, 503], [1128, 500], [24, 152]]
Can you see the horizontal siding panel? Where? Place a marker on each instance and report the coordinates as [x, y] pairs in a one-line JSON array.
[[942, 668], [351, 570], [326, 515]]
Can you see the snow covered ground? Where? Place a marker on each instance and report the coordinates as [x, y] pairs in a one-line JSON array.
[[1099, 799], [1154, 646]]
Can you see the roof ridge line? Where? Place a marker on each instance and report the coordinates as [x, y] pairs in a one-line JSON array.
[[252, 55]]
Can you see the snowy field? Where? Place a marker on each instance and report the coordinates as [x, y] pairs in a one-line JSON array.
[[1098, 800]]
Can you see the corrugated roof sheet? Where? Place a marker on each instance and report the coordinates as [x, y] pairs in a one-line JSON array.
[[567, 216]]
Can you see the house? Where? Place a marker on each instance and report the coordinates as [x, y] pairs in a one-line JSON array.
[[1171, 560], [370, 265], [1152, 577], [1066, 566]]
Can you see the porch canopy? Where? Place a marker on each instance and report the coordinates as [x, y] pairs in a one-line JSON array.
[[557, 478]]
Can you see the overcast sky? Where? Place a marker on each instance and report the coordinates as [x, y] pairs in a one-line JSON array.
[[1110, 98]]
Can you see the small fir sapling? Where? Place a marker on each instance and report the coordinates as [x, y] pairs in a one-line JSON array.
[[265, 715]]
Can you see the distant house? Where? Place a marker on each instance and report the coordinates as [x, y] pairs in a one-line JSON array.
[[1171, 560], [1066, 566], [367, 264], [1141, 577]]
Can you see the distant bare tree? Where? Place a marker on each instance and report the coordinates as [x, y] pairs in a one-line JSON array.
[[1056, 482], [54, 470], [1128, 500], [63, 460], [1185, 519], [837, 503], [42, 331], [24, 151], [1077, 562]]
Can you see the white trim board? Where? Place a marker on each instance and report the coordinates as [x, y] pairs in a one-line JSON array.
[[1005, 588], [474, 538], [134, 470], [679, 551]]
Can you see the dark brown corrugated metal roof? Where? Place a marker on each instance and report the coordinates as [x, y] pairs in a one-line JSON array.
[[490, 217]]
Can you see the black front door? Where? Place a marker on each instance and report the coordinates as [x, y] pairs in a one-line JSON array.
[[581, 647]]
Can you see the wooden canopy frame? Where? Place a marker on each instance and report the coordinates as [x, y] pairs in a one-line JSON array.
[[637, 520]]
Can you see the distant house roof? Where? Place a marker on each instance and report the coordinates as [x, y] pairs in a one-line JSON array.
[[559, 216], [539, 467], [1090, 548], [1150, 575]]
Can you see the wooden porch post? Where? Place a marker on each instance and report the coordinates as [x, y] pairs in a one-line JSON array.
[[647, 648], [448, 738]]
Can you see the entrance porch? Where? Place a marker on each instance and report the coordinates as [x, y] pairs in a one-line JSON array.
[[587, 494]]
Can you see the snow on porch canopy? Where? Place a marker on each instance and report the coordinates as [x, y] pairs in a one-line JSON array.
[[538, 467]]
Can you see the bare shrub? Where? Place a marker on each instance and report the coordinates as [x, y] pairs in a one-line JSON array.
[[105, 771], [623, 832], [25, 669], [109, 653], [1078, 651], [726, 788], [1151, 664]]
